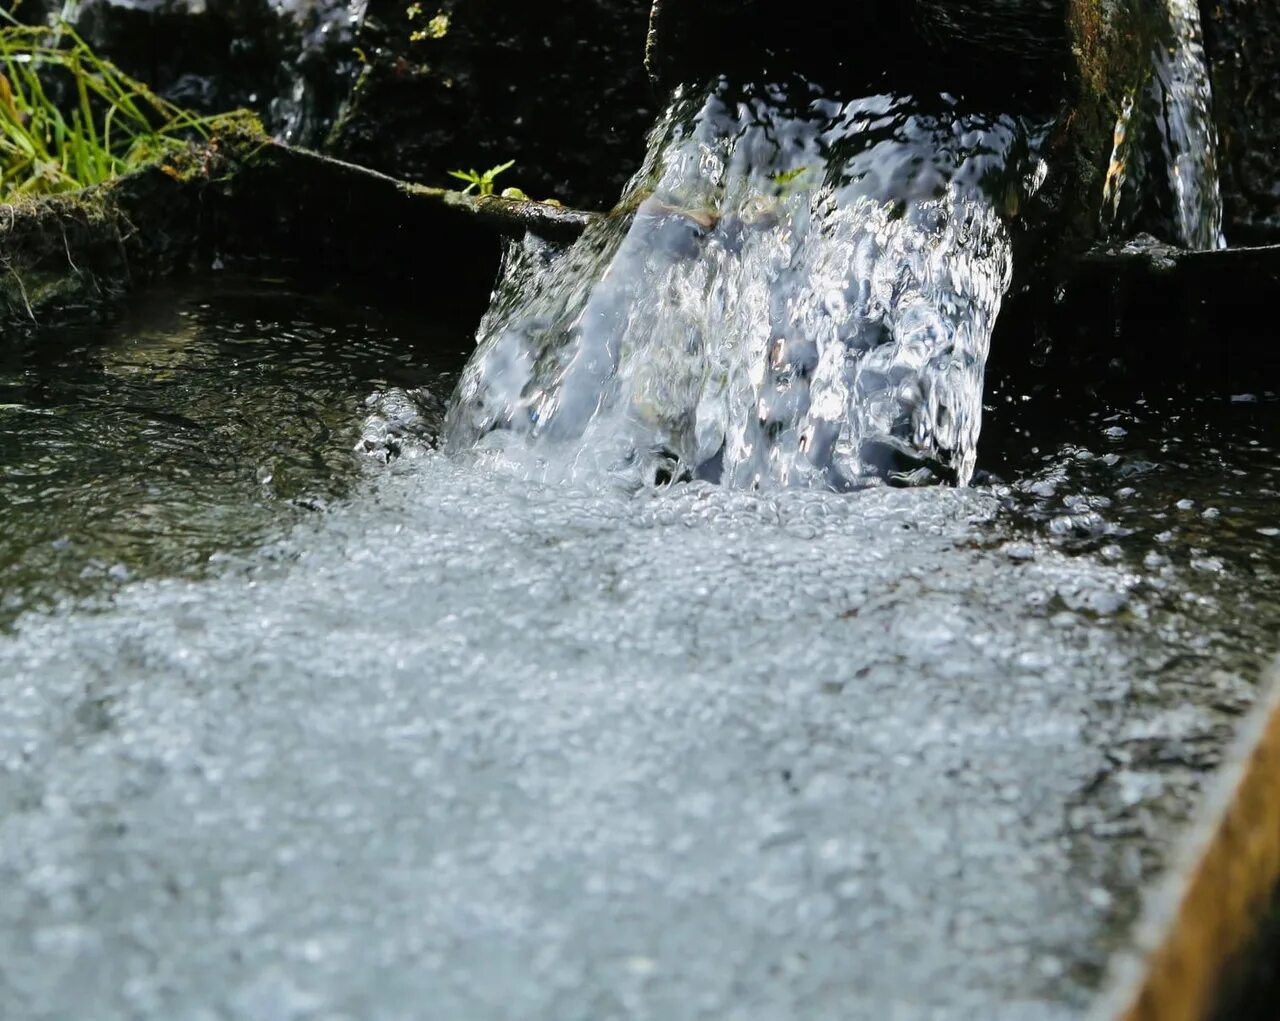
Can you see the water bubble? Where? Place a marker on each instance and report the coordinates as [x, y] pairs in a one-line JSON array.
[[1019, 551]]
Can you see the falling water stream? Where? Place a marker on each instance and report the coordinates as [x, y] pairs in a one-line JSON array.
[[800, 291], [1188, 134], [794, 291], [1166, 148]]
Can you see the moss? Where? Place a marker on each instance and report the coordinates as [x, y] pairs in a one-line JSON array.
[[1111, 42], [39, 270], [77, 251]]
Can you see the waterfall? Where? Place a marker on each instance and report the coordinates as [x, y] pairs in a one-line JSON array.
[[794, 291], [1164, 165], [1188, 134]]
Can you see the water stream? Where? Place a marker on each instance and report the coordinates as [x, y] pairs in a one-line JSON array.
[[446, 735], [1188, 133], [307, 721], [1164, 168], [795, 291]]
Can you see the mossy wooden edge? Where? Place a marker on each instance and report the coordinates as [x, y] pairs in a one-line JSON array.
[[1198, 933], [69, 255], [313, 172], [242, 194]]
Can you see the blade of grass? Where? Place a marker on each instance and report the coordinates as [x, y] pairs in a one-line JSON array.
[[114, 121]]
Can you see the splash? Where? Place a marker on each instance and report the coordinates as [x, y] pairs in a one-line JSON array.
[[794, 292]]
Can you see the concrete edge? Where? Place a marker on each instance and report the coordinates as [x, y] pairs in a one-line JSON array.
[[1207, 911]]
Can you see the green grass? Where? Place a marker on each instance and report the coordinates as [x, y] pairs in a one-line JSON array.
[[101, 124]]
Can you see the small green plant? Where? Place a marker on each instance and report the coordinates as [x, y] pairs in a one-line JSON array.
[[787, 180], [102, 124], [482, 182]]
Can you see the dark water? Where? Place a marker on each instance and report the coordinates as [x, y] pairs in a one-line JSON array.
[[1178, 483], [209, 417]]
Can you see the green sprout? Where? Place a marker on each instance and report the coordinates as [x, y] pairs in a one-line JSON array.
[[785, 178], [484, 182]]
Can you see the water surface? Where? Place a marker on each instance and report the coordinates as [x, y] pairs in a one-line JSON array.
[[464, 739], [208, 418]]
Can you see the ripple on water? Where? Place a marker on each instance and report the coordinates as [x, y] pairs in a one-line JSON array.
[[210, 417]]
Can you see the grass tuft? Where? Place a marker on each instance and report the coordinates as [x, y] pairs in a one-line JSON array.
[[69, 118]]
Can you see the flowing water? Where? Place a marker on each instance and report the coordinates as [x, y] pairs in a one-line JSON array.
[[1166, 147], [460, 738], [795, 291], [206, 419], [307, 721], [1189, 135]]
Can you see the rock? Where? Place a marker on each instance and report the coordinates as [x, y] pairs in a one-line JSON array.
[[559, 88], [1001, 48], [290, 61], [1243, 42]]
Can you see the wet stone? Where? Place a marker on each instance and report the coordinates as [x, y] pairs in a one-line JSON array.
[[1243, 44]]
